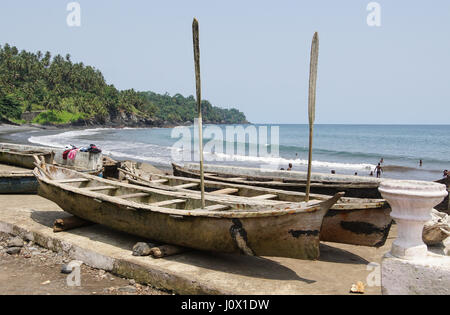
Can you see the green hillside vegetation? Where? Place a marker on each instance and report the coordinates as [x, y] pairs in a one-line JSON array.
[[73, 93]]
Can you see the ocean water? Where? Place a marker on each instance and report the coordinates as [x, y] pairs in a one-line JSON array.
[[347, 149]]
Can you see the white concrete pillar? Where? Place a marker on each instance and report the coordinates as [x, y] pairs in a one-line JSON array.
[[409, 268]]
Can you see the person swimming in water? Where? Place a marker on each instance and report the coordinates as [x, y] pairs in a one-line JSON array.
[[378, 170], [290, 167]]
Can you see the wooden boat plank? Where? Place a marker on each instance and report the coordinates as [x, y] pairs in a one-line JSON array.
[[159, 181], [188, 185], [216, 208], [136, 195], [167, 202], [71, 180], [266, 196], [100, 188], [225, 191]]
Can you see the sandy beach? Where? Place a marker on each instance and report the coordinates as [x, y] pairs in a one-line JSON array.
[[11, 129]]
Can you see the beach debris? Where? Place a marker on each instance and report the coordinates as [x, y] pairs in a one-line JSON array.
[[128, 289], [65, 269], [15, 242], [13, 250], [167, 250], [357, 288], [69, 267], [46, 282], [69, 223], [437, 229], [142, 249]]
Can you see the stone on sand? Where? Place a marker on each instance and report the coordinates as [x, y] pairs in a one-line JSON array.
[[15, 242]]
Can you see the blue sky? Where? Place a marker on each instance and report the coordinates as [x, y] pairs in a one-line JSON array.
[[255, 53]]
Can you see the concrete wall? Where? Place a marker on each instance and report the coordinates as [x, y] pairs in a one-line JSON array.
[[29, 116], [426, 276]]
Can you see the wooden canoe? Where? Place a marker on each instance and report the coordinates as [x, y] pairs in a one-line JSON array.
[[253, 227], [22, 158], [285, 180], [22, 155], [15, 182], [355, 221]]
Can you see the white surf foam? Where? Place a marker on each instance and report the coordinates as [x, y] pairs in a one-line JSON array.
[[163, 154]]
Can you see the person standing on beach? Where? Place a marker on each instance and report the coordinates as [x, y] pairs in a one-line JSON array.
[[378, 170], [420, 162]]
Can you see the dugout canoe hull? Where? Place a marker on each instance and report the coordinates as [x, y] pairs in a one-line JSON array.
[[18, 183], [251, 228]]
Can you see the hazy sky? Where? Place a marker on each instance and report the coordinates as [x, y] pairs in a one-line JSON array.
[[255, 53]]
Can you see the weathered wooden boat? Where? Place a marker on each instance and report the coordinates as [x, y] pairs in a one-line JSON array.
[[353, 187], [355, 221], [23, 156], [252, 227], [18, 182]]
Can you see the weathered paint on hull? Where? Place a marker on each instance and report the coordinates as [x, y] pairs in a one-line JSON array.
[[292, 235], [368, 227], [18, 185]]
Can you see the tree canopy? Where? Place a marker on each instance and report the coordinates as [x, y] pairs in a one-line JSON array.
[[68, 92]]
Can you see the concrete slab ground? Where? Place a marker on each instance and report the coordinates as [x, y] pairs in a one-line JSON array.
[[194, 272]]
